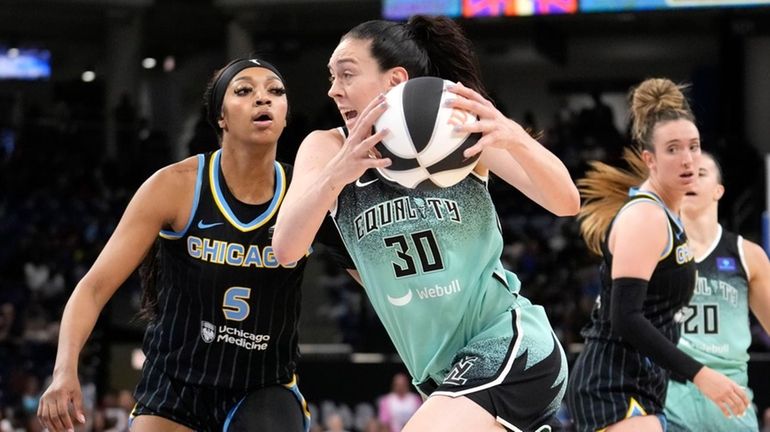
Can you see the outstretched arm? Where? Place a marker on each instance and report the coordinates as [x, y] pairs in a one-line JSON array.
[[324, 165], [511, 153], [759, 282], [153, 206]]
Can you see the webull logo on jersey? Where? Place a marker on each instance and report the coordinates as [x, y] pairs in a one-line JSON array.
[[427, 293], [250, 341]]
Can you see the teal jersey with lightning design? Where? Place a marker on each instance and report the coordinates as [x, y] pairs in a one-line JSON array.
[[430, 263], [715, 325]]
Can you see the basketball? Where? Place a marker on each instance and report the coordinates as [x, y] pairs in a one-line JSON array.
[[425, 150]]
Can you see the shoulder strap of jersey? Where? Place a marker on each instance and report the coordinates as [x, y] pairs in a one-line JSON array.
[[176, 235], [636, 196], [739, 244]]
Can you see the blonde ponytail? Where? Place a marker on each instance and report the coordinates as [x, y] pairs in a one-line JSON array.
[[604, 189]]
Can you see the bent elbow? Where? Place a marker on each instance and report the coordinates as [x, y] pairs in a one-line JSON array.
[[284, 259], [570, 206], [284, 256], [282, 250], [574, 206]]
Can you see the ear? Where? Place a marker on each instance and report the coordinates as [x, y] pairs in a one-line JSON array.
[[648, 157], [221, 120], [397, 75], [719, 192]]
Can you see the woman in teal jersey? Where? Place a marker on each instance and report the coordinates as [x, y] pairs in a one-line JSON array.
[[733, 276], [484, 355], [631, 219]]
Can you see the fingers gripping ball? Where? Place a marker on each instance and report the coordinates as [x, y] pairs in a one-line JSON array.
[[425, 150]]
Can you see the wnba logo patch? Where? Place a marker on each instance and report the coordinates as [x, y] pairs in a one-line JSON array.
[[208, 331]]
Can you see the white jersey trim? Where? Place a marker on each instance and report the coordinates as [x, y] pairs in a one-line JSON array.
[[713, 246], [743, 258], [508, 425]]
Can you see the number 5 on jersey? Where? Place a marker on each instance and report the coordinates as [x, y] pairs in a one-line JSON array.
[[235, 305]]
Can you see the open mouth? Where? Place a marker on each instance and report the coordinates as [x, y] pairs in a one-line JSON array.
[[690, 194], [350, 115], [262, 117]]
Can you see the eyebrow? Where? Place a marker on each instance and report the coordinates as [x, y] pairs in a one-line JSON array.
[[248, 78], [341, 61], [677, 140]]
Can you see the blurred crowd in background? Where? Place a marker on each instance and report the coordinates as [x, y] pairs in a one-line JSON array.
[[61, 198]]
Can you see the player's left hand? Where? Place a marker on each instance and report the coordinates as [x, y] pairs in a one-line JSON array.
[[723, 391], [497, 130]]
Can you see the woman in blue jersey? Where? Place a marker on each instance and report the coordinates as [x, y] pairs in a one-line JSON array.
[[222, 343], [484, 355], [631, 219], [733, 276]]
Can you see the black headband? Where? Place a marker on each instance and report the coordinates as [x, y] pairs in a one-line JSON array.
[[217, 95]]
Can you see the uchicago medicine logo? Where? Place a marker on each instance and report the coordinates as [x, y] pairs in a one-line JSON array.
[[208, 331]]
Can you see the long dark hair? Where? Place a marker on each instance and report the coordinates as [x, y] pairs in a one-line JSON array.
[[149, 272], [424, 46]]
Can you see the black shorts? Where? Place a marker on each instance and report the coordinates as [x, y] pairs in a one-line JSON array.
[[520, 399], [612, 381], [275, 408]]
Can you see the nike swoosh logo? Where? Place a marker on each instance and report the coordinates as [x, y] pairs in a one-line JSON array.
[[401, 301], [359, 183], [202, 225]]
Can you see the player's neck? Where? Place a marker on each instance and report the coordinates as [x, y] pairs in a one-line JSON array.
[[249, 173], [701, 229], [672, 199]]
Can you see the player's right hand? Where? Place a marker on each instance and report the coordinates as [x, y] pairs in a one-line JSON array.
[[723, 391], [358, 152], [54, 409]]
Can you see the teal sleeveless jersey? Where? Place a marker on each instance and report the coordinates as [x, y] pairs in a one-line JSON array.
[[430, 264], [715, 325]]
